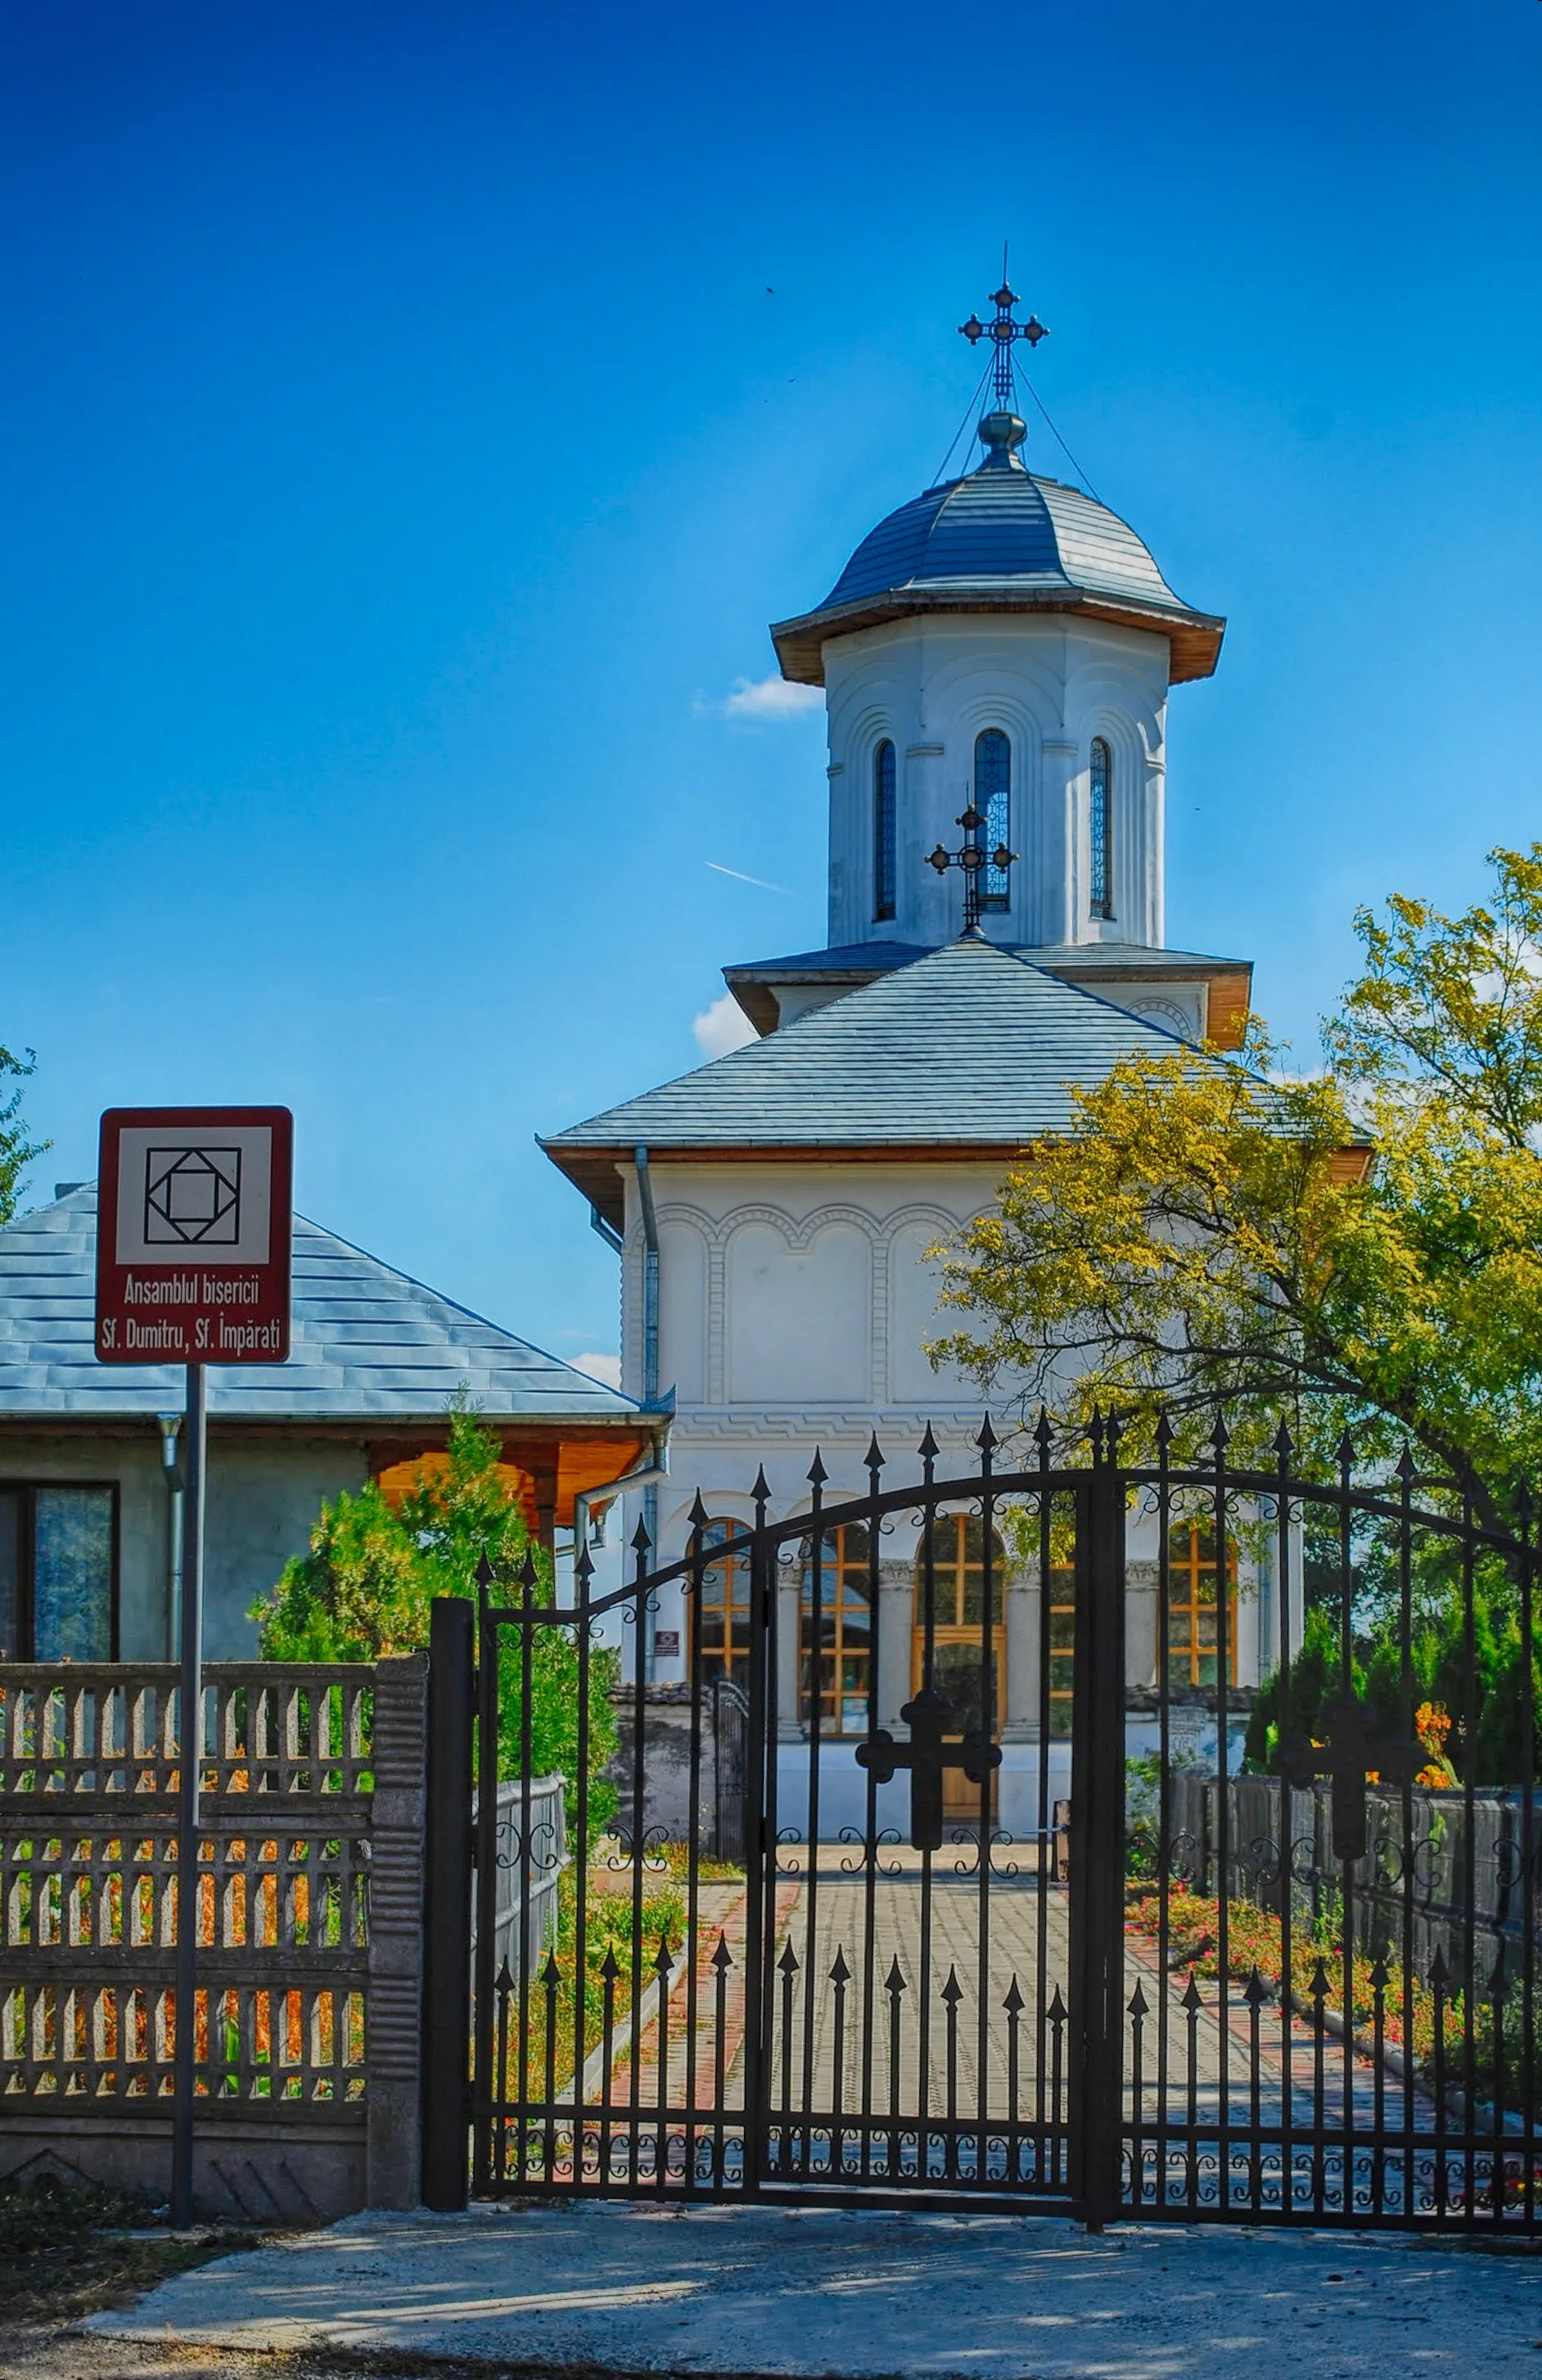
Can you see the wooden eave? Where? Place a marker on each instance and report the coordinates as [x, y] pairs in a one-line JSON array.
[[1193, 638], [558, 1459]]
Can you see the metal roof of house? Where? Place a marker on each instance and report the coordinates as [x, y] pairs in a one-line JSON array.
[[968, 1046], [1001, 539], [368, 1343]]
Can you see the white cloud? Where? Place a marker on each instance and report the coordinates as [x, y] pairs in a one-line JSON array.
[[721, 1027], [768, 697], [600, 1367]]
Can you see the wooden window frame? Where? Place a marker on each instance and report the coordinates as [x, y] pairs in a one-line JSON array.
[[1185, 1572], [959, 1631], [27, 1489], [731, 1658], [1062, 1656], [836, 1566]]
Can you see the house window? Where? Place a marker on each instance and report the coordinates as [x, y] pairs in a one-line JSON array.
[[993, 800], [839, 1648], [59, 1573], [724, 1638], [883, 832], [1100, 895], [1191, 1607]]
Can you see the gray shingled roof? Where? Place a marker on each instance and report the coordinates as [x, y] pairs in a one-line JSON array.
[[1002, 522], [1000, 539], [969, 1044], [368, 1343], [877, 958]]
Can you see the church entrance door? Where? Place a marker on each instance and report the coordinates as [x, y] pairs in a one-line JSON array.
[[1160, 1956]]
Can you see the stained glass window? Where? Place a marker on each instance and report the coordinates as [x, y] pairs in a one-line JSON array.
[[993, 800], [1100, 900], [883, 832]]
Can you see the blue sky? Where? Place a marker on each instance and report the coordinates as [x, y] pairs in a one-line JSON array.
[[410, 419]]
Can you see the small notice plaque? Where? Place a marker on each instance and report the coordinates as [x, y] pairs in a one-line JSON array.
[[192, 1238]]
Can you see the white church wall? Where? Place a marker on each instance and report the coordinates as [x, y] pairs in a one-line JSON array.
[[795, 1299], [930, 686]]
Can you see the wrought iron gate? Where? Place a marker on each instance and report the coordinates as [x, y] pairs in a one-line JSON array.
[[1284, 1967]]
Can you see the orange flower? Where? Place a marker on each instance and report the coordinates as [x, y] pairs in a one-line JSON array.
[[1432, 1725]]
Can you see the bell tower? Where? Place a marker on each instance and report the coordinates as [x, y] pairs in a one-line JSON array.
[[996, 659]]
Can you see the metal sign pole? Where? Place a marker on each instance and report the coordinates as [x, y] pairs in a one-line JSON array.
[[189, 1767]]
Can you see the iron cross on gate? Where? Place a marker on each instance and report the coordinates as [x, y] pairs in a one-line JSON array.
[[1354, 1746], [925, 1755]]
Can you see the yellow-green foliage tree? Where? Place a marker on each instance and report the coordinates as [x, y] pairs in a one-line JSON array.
[[364, 1590], [1361, 1248]]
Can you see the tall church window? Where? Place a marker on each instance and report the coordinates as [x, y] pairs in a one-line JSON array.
[[1101, 897], [724, 1638], [835, 1640], [1193, 1607], [955, 1542], [883, 832], [993, 800]]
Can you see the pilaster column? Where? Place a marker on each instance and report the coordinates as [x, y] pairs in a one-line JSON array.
[[1022, 1655], [787, 1590], [1055, 909], [896, 1604]]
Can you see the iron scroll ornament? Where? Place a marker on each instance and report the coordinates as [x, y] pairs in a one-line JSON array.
[[925, 1755]]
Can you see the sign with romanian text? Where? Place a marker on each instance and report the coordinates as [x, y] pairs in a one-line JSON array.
[[192, 1235]]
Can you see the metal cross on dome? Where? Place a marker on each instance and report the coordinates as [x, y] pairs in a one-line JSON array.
[[973, 859], [1006, 333]]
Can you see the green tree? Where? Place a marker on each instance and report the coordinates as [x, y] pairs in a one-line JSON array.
[[1361, 1248], [16, 1152], [373, 1569]]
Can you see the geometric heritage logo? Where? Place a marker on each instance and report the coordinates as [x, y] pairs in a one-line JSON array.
[[192, 1197]]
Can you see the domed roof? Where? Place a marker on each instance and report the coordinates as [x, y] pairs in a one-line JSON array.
[[1000, 540]]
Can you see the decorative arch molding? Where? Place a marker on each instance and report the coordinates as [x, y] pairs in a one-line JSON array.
[[723, 1504], [883, 1233], [1168, 1013], [1021, 679], [879, 1229]]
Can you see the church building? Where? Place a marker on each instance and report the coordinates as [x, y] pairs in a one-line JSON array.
[[996, 659]]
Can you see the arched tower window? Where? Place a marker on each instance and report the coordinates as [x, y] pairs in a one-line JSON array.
[[993, 800], [883, 832], [1100, 895]]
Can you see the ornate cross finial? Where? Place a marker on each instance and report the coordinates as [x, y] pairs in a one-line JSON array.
[[973, 858], [1004, 331]]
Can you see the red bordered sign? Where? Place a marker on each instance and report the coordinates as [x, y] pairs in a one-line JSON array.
[[193, 1236]]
